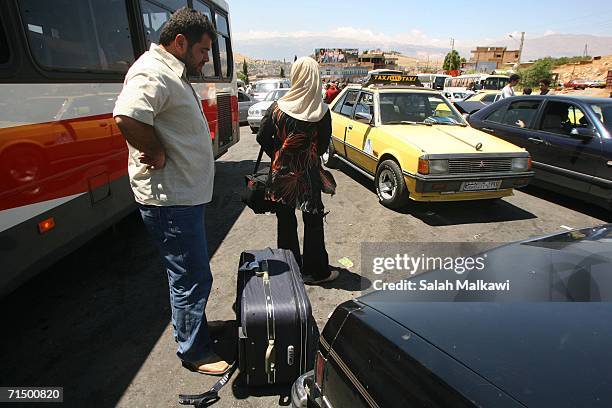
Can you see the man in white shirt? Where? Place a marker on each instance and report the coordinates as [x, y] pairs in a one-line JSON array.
[[171, 169], [508, 90]]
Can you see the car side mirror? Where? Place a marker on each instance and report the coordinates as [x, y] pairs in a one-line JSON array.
[[583, 133], [363, 117]]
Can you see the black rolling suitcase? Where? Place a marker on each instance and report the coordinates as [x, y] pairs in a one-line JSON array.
[[277, 335]]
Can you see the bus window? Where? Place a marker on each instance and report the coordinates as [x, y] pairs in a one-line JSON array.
[[4, 50], [224, 46], [153, 18], [173, 4], [209, 67], [79, 36], [202, 8]]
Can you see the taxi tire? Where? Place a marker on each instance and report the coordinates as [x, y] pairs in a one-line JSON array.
[[332, 160], [254, 129], [400, 198]]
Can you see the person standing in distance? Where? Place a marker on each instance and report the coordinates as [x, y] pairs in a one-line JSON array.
[[171, 170], [545, 87], [508, 90]]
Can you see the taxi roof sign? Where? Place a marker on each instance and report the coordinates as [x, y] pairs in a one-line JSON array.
[[398, 79]]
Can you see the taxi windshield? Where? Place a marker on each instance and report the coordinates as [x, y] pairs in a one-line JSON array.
[[417, 108]]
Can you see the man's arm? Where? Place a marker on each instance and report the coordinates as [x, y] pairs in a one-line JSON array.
[[142, 137]]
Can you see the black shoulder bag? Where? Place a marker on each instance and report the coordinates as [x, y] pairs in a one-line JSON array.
[[254, 195]]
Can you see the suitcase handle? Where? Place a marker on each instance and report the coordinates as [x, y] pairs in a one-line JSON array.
[[263, 270], [270, 357]]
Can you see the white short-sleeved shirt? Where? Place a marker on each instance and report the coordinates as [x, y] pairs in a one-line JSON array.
[[507, 92], [156, 91]]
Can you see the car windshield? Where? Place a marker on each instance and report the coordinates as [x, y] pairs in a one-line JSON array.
[[265, 86], [276, 95], [603, 111], [417, 108]]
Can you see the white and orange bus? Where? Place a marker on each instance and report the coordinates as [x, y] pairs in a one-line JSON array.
[[63, 162]]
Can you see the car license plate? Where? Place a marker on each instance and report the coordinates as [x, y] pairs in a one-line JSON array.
[[480, 185]]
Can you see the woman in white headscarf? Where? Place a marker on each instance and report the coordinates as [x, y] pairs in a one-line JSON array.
[[295, 132]]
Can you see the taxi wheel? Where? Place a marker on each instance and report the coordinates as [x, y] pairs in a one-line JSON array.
[[329, 157], [390, 186], [254, 129]]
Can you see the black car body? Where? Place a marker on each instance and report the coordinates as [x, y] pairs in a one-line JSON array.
[[569, 139], [545, 343]]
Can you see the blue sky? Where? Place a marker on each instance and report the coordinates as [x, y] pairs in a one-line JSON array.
[[424, 20]]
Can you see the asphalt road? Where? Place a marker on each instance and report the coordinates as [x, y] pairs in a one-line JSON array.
[[97, 322]]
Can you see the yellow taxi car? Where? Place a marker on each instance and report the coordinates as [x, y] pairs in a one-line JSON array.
[[415, 145]]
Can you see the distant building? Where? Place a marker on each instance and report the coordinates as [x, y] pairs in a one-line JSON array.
[[378, 60], [485, 58]]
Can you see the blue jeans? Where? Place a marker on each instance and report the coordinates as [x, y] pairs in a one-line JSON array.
[[179, 234]]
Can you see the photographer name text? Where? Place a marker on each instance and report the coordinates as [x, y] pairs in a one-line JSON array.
[[442, 285]]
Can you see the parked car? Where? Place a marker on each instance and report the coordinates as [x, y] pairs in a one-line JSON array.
[[244, 103], [596, 83], [486, 97], [544, 342], [416, 146], [258, 110], [475, 102], [456, 96], [261, 88], [576, 84], [569, 139]]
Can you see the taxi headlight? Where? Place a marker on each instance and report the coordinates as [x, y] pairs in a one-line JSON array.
[[438, 166], [520, 164]]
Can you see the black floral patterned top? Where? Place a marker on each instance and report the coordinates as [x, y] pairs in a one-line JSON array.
[[295, 148]]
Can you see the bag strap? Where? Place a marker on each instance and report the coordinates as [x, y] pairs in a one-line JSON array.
[[258, 160], [211, 396]]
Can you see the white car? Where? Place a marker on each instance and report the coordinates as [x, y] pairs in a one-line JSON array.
[[457, 96], [261, 88], [257, 111]]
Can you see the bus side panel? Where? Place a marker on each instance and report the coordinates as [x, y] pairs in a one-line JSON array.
[[26, 251]]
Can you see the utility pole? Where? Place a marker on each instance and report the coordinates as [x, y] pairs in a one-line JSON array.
[[520, 54], [452, 42], [586, 50]]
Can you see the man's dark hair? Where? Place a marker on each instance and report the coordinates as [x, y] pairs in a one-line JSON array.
[[545, 81], [527, 91], [191, 23], [514, 77]]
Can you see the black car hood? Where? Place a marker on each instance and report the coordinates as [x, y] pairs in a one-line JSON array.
[[548, 341], [470, 107]]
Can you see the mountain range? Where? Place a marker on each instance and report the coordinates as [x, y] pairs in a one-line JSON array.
[[554, 45]]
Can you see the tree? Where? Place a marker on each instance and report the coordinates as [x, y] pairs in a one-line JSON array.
[[244, 74], [539, 70], [282, 73], [452, 61]]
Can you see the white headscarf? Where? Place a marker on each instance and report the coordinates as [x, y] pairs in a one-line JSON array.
[[303, 101]]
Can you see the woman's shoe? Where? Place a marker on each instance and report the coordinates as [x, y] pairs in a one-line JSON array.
[[309, 280]]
